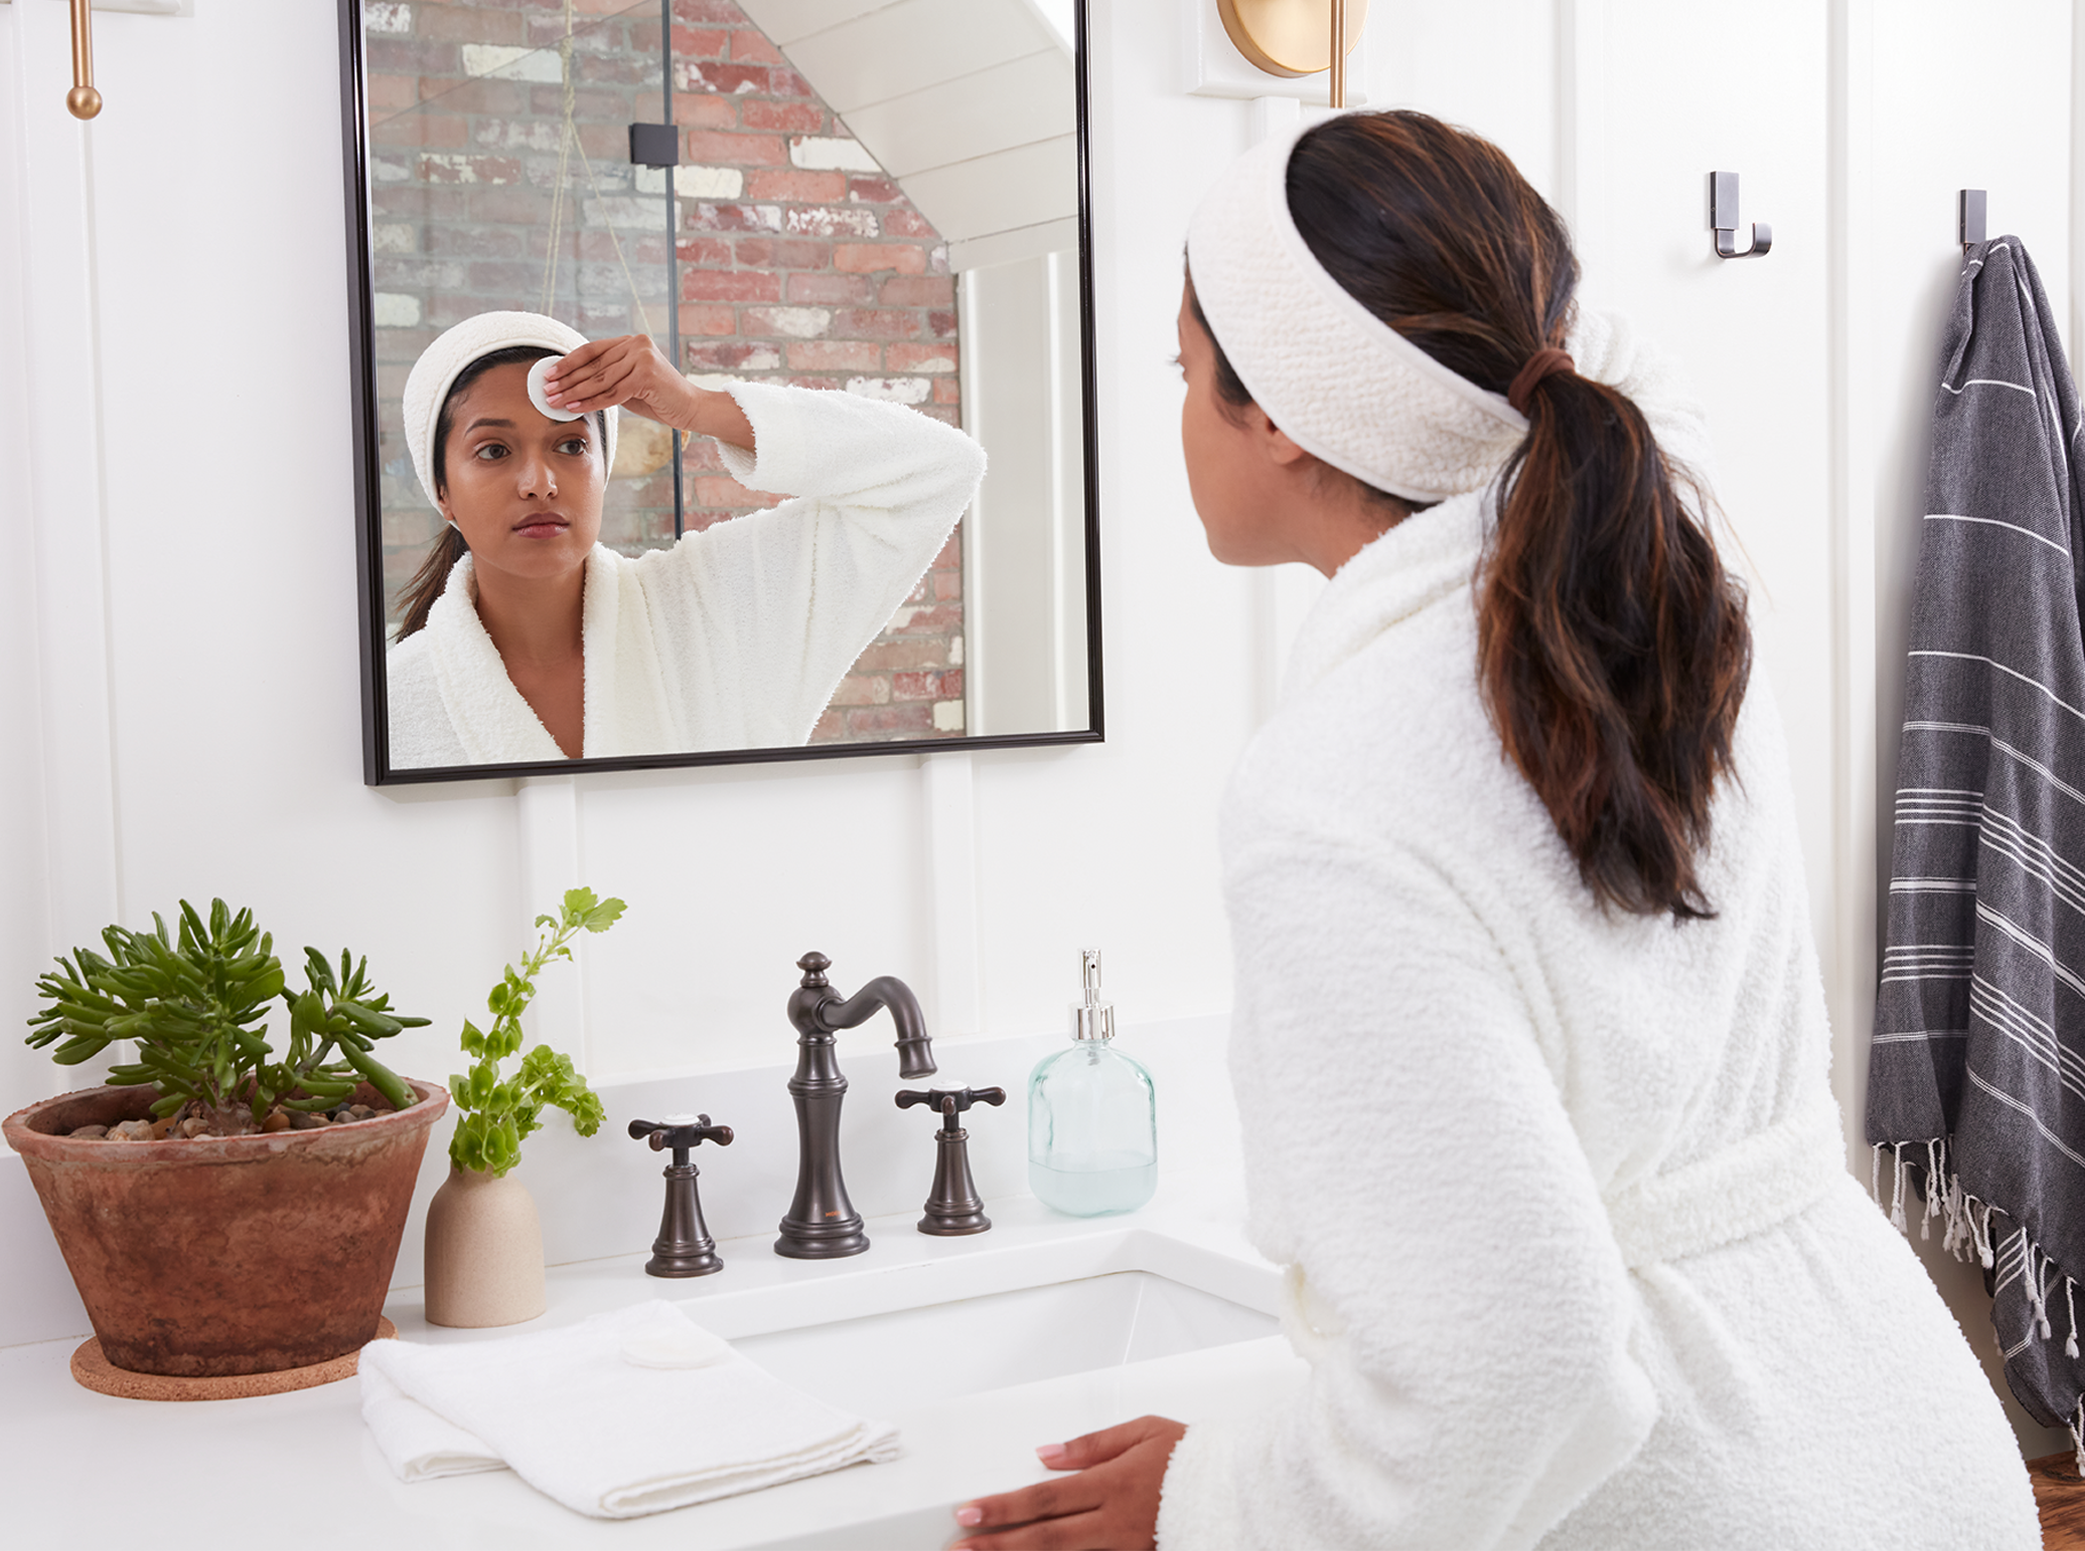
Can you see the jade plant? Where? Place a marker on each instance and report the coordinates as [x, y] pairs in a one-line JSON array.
[[496, 1113], [196, 1002]]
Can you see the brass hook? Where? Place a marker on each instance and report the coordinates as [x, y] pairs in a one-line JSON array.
[[83, 101]]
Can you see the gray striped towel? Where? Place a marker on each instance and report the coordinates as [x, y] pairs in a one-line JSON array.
[[1976, 1085]]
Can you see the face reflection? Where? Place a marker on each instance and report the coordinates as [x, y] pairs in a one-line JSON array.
[[524, 489]]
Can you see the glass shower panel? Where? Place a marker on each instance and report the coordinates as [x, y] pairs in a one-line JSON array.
[[803, 260], [501, 178]]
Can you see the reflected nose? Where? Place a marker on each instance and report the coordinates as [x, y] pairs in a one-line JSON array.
[[534, 477]]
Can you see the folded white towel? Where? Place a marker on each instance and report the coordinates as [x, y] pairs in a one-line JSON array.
[[588, 1415]]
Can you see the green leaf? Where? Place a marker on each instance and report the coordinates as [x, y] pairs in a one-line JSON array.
[[381, 1077], [374, 1024], [318, 973]]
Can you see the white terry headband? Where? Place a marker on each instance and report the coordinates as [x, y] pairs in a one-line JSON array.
[[442, 362], [1345, 386]]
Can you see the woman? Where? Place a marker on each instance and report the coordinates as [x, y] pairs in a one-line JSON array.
[[524, 639], [1529, 1040]]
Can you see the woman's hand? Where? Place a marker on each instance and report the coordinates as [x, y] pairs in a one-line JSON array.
[[629, 372], [1111, 1504]]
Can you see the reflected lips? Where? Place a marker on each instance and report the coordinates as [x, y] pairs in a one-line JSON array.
[[542, 525]]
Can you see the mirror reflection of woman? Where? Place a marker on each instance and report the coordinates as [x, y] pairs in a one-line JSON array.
[[524, 639]]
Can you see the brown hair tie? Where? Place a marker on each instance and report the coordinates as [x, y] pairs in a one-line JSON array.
[[1541, 364]]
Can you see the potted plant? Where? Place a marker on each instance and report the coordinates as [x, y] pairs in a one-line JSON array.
[[224, 1210], [484, 1239]]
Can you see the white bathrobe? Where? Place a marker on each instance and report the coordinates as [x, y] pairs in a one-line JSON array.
[[1572, 1249], [735, 637]]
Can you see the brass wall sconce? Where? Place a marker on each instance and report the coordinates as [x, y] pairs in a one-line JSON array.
[[1297, 37], [83, 101]]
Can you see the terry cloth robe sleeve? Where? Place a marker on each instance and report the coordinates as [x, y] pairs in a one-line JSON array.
[[768, 611], [1977, 1069], [1453, 1400]]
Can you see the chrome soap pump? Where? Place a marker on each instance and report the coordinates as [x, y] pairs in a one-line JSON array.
[[1092, 1116]]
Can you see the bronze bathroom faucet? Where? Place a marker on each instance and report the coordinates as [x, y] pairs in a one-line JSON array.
[[822, 1223]]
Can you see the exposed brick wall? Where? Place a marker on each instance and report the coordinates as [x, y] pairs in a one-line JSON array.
[[799, 261]]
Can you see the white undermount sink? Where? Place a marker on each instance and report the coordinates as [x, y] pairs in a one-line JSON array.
[[880, 1363]]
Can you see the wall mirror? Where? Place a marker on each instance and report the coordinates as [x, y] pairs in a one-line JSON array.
[[883, 198]]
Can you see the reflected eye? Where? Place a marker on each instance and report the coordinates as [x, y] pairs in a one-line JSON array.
[[575, 446], [490, 451]]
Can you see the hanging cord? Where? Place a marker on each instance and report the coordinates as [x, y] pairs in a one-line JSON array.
[[569, 141], [2070, 1342], [636, 302], [565, 138]]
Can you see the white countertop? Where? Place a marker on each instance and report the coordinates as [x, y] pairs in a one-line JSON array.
[[82, 1466]]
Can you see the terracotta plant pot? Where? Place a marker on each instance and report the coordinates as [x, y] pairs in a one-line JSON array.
[[484, 1252], [226, 1255]]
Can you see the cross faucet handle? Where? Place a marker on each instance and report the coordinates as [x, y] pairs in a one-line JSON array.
[[951, 1102], [679, 1132]]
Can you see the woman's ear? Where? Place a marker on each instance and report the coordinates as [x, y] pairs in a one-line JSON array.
[[1273, 442]]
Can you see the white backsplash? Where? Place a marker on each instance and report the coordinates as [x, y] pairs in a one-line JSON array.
[[602, 1196]]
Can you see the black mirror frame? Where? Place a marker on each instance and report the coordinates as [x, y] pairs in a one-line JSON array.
[[376, 765]]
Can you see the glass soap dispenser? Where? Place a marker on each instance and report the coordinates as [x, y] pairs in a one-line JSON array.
[[1092, 1117]]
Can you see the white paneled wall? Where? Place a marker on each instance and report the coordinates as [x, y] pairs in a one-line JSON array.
[[180, 608], [218, 340]]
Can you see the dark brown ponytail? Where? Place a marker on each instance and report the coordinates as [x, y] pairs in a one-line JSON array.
[[428, 582], [1613, 648]]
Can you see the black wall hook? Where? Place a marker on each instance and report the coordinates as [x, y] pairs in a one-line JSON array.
[[1970, 225], [1723, 220]]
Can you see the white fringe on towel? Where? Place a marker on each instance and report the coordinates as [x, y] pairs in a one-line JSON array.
[[1959, 1231]]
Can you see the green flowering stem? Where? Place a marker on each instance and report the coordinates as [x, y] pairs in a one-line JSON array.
[[496, 1113]]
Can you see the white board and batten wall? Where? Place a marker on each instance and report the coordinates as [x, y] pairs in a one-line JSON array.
[[175, 485]]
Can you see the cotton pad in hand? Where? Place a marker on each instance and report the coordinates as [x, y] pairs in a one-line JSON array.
[[689, 1346], [536, 374]]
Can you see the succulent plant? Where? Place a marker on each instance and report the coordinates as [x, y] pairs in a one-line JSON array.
[[196, 1002]]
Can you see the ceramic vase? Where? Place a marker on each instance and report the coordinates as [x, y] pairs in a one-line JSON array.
[[226, 1255], [484, 1252]]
